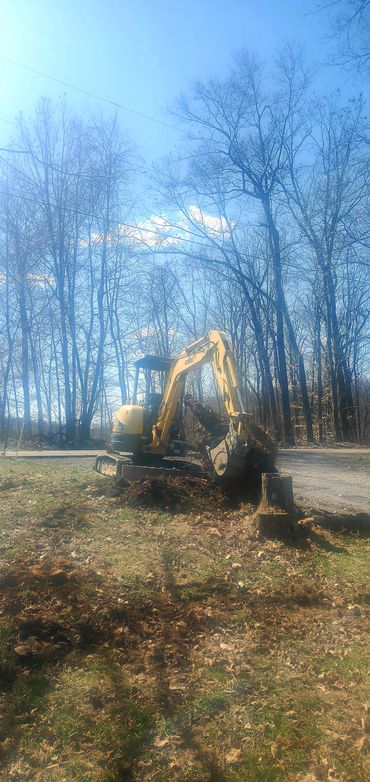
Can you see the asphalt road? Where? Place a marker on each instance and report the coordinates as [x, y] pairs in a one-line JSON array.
[[329, 478]]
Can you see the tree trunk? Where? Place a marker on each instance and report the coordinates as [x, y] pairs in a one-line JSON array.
[[25, 374], [85, 429], [341, 386], [302, 378], [274, 240], [319, 376], [263, 360], [36, 380]]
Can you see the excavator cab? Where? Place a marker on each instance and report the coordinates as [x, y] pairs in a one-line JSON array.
[[150, 378], [133, 424]]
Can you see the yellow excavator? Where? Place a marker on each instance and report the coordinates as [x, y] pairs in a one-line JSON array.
[[147, 439]]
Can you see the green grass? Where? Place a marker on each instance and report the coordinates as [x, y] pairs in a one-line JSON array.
[[211, 703], [274, 571], [217, 673], [351, 667], [87, 707], [188, 666], [351, 565]]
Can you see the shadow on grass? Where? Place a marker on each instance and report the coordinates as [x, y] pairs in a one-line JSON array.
[[55, 626], [212, 769], [303, 530], [51, 623], [324, 543]]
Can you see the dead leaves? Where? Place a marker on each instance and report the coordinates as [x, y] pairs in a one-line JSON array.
[[174, 493], [160, 743], [360, 743], [233, 756], [58, 572], [31, 646]]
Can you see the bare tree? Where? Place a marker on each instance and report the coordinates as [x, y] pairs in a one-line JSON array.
[[69, 193], [265, 236], [349, 25], [236, 170], [326, 201]]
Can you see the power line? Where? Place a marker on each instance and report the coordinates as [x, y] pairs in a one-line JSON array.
[[135, 227], [15, 151], [87, 92], [8, 121], [78, 174]]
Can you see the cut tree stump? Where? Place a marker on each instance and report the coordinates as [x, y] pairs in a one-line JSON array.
[[274, 523], [275, 513], [277, 491]]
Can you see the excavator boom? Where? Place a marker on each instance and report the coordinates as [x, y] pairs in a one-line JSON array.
[[226, 456]]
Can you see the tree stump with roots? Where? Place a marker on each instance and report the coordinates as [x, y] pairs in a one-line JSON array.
[[275, 511], [277, 491]]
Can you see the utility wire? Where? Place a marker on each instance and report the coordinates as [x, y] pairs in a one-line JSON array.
[[87, 92], [78, 174], [8, 121], [118, 223], [15, 151]]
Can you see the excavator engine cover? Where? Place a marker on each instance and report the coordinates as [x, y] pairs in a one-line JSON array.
[[128, 429]]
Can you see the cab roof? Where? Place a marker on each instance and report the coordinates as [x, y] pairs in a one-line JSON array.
[[160, 363]]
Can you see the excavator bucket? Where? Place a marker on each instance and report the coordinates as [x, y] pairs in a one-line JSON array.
[[228, 456], [242, 453], [244, 464]]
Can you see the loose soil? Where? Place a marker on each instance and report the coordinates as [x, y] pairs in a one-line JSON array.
[[173, 493], [142, 643]]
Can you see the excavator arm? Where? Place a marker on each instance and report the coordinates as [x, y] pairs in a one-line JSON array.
[[226, 456]]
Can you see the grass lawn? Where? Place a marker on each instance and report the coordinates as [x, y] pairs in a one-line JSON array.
[[147, 645]]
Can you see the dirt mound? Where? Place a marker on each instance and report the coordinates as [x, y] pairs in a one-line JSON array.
[[174, 493]]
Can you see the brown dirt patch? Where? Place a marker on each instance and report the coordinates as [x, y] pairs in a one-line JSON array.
[[174, 493]]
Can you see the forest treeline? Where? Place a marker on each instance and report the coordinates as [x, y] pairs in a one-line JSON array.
[[259, 226]]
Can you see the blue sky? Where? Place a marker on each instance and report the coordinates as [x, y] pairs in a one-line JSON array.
[[142, 53]]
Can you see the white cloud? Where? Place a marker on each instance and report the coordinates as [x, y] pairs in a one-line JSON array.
[[148, 331], [214, 225], [157, 231], [34, 279], [41, 279], [95, 239], [152, 231]]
